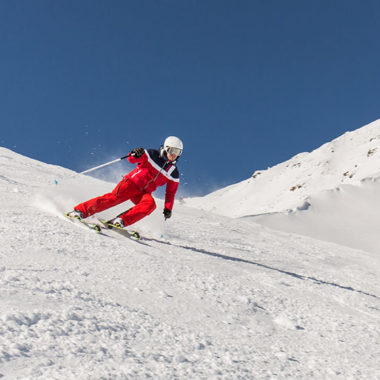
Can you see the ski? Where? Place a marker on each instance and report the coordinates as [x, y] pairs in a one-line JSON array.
[[134, 235], [104, 224], [92, 226]]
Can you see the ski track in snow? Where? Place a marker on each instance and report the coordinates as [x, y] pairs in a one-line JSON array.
[[213, 297]]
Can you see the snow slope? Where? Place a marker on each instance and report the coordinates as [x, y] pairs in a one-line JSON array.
[[348, 215], [346, 160], [207, 297]]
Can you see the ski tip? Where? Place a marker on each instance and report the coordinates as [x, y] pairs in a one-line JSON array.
[[135, 235], [97, 228]]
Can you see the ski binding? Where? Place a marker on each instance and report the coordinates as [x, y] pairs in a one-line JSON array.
[[92, 226], [134, 235]]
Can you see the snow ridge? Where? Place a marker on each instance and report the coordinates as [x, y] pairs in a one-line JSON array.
[[349, 159]]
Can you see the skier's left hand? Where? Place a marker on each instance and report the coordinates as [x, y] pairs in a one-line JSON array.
[[167, 213]]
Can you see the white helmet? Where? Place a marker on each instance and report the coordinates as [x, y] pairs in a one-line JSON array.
[[173, 145]]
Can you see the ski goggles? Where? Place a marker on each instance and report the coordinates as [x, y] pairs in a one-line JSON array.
[[173, 151]]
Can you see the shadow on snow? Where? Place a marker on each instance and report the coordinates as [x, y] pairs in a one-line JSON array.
[[291, 274]]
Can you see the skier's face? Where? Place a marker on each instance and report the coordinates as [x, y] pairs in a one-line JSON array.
[[171, 157]]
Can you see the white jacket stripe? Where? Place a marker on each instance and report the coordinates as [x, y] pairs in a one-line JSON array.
[[161, 170]]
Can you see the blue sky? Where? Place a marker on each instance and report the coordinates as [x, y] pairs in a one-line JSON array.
[[245, 84]]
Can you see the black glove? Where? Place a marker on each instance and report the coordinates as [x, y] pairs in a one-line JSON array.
[[167, 213], [138, 152]]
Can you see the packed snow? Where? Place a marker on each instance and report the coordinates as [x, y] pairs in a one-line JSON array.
[[204, 296]]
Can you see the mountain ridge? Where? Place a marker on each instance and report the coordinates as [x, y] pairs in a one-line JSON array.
[[348, 159]]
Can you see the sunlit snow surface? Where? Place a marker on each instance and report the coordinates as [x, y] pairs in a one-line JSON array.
[[349, 159], [208, 297]]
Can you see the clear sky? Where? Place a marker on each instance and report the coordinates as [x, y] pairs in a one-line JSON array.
[[245, 84]]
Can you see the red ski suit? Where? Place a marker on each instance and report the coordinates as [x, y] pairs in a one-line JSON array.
[[153, 170]]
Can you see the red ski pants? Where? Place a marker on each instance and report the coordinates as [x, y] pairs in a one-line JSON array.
[[124, 191]]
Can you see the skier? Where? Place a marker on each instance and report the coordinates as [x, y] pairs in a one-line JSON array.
[[154, 168]]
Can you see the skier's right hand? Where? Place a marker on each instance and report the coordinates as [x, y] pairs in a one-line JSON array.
[[167, 213], [138, 152]]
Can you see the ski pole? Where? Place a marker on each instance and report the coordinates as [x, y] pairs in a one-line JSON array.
[[103, 165], [96, 167]]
